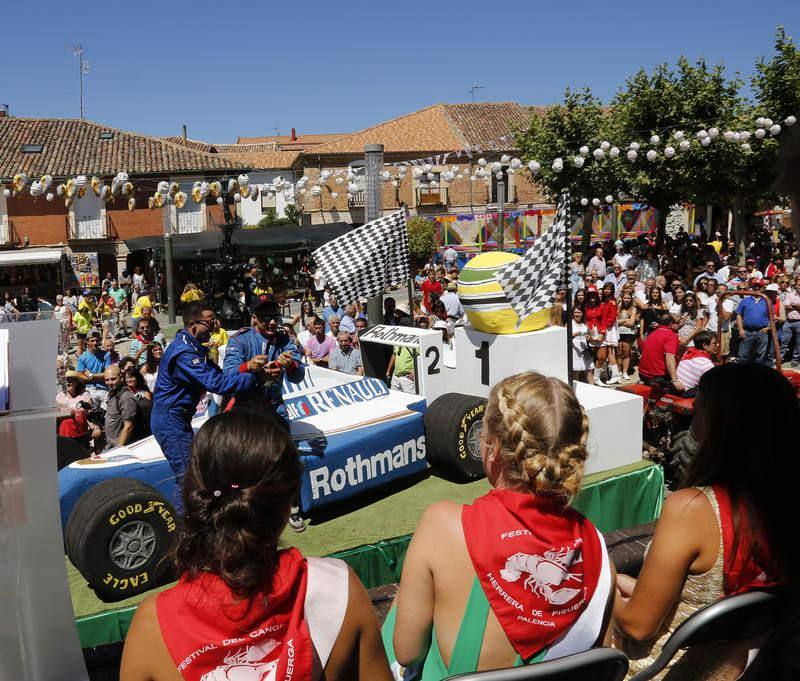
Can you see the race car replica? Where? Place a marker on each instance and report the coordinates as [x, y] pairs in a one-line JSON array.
[[353, 434]]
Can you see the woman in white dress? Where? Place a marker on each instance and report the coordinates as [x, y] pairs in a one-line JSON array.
[[582, 362]]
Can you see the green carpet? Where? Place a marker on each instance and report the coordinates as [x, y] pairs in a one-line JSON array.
[[371, 520]]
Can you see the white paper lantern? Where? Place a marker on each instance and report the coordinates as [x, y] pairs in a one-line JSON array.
[[713, 133], [609, 198], [705, 141], [760, 122], [584, 150], [669, 152], [744, 136], [767, 123], [220, 200], [454, 169], [386, 175], [339, 180], [745, 147], [678, 135], [431, 176], [481, 162], [702, 134], [655, 139], [613, 152], [334, 195], [584, 201], [684, 145], [652, 155], [737, 136], [728, 135], [302, 192], [395, 183], [635, 146], [81, 181], [605, 146], [497, 167], [775, 130], [434, 184], [237, 197], [6, 193], [790, 120], [402, 170], [578, 161], [558, 165], [427, 167], [49, 196], [499, 175], [598, 154], [472, 178], [595, 202], [36, 188], [505, 158], [632, 155], [516, 163], [761, 133], [534, 167]]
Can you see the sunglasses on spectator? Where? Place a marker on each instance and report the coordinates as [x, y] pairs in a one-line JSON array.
[[267, 318]]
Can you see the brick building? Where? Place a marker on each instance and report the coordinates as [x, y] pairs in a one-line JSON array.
[[67, 148], [455, 136]]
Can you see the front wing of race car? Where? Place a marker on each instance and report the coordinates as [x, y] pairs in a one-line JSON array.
[[353, 435]]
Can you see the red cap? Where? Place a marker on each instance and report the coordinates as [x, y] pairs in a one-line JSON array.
[[591, 289]]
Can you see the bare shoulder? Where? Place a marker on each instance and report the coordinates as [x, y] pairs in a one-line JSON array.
[[145, 619], [686, 505]]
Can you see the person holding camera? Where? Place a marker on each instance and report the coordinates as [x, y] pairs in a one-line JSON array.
[[268, 344]]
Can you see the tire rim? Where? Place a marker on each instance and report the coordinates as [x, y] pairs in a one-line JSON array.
[[133, 545], [474, 440]]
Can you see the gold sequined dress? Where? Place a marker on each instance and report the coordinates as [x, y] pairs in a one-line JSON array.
[[717, 662]]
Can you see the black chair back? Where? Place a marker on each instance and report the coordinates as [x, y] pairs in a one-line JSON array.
[[597, 664], [735, 618]]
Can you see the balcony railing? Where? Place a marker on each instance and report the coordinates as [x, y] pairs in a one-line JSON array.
[[86, 228], [357, 200], [431, 196]]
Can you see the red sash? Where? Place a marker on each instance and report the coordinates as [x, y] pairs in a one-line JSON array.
[[538, 564], [212, 637], [741, 571]]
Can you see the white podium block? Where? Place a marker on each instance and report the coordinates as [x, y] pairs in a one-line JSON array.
[[484, 359], [615, 426]]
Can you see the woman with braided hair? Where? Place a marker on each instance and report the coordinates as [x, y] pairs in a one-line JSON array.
[[243, 608], [533, 572]]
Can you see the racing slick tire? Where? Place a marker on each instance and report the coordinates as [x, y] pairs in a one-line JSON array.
[[681, 452], [119, 536], [68, 451], [453, 424]]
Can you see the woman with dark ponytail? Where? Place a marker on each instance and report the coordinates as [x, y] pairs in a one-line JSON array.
[[242, 604]]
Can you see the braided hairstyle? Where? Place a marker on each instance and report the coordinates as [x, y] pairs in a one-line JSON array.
[[243, 473], [542, 431]]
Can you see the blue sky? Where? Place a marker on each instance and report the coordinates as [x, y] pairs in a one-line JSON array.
[[243, 68]]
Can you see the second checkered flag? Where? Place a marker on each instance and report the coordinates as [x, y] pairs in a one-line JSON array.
[[365, 261], [530, 283]]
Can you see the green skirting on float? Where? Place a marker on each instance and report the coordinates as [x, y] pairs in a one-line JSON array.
[[630, 495]]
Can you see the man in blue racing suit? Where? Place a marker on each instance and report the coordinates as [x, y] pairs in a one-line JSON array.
[[183, 374], [268, 339]]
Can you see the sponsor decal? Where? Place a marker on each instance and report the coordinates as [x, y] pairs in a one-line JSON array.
[[359, 469], [390, 335], [326, 400]]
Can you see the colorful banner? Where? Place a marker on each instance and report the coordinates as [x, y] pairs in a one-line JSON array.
[[86, 269]]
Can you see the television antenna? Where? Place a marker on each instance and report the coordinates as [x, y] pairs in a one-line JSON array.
[[83, 69], [475, 87]]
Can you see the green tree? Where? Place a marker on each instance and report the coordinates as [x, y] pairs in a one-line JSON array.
[[776, 86], [293, 214], [558, 134], [271, 219], [421, 238]]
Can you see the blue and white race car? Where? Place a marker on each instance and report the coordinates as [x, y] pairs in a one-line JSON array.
[[353, 434]]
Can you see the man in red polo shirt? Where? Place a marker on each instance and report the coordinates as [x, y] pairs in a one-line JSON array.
[[658, 365]]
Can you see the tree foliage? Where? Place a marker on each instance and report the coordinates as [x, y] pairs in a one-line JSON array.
[[421, 237]]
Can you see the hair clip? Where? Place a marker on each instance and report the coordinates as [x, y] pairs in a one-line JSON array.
[[217, 493]]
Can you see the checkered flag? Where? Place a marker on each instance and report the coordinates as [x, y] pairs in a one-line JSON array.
[[363, 262], [530, 284]]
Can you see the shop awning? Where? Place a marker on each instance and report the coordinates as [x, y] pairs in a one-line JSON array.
[[30, 256], [248, 242]]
